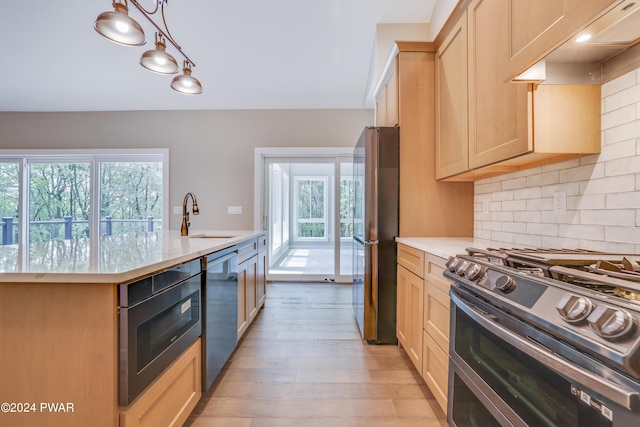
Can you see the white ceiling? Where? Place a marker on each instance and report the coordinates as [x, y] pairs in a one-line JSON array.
[[249, 54]]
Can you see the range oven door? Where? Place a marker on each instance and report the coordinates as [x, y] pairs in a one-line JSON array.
[[156, 331], [499, 378]]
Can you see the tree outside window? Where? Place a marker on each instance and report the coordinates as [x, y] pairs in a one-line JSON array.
[[311, 209]]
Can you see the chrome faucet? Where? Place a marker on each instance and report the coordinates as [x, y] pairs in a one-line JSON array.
[[184, 230]]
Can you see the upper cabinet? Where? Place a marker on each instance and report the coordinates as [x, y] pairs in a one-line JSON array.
[[538, 27], [452, 118], [509, 126], [406, 94]]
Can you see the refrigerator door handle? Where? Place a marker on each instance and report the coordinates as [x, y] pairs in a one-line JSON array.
[[365, 242]]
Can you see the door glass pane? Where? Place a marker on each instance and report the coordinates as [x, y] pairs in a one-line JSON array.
[[9, 201], [130, 197], [58, 201], [346, 209]]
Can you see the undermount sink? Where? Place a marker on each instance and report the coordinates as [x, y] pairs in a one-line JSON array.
[[212, 236]]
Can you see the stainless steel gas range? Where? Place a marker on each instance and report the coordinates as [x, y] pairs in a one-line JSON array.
[[544, 337]]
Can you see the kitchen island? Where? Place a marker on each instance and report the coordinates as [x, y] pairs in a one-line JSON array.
[[59, 324]]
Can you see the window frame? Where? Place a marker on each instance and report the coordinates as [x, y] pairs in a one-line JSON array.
[[94, 157]]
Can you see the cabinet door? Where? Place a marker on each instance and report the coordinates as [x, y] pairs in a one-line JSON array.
[[498, 110], [243, 314], [537, 27], [252, 287], [261, 277], [436, 370], [392, 98], [402, 313], [452, 132]]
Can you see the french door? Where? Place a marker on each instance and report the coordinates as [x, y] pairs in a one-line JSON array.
[[307, 215]]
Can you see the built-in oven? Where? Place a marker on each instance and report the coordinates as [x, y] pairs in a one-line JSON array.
[[503, 372], [159, 318]]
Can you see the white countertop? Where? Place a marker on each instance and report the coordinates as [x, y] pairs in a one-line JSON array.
[[109, 259], [445, 247]]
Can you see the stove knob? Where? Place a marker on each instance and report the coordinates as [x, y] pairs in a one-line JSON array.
[[461, 268], [505, 283], [611, 323], [473, 272], [574, 308], [451, 263]]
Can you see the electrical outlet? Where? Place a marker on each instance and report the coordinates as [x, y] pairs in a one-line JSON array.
[[560, 203], [177, 210], [485, 205], [234, 210]]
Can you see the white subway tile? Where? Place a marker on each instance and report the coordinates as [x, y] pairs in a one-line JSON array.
[[618, 117], [586, 201], [527, 216], [500, 178], [618, 150], [515, 227], [545, 204], [614, 233], [625, 97], [482, 216], [623, 132], [501, 236], [499, 196], [582, 173], [630, 200], [589, 160], [514, 205], [543, 179], [621, 83], [482, 234], [542, 229], [491, 225], [599, 245], [527, 240], [502, 216], [625, 166], [622, 217], [567, 164], [527, 193], [571, 217], [589, 232], [638, 219], [611, 184], [495, 206], [515, 183]]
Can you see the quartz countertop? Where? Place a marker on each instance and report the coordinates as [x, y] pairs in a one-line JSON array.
[[445, 247], [110, 259]]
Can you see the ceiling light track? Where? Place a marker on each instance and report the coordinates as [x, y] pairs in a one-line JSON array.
[[119, 28]]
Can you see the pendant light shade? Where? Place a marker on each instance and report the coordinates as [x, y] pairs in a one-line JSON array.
[[118, 27], [158, 60], [186, 83]]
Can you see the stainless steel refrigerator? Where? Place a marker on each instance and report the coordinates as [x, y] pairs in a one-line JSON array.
[[376, 160]]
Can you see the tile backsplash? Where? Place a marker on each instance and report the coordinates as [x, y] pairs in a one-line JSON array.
[[592, 202]]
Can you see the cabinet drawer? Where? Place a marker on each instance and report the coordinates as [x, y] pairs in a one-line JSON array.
[[434, 266], [172, 397], [412, 259], [435, 370], [247, 249]]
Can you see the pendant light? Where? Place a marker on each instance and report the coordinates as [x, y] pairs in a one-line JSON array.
[[186, 83], [118, 27], [158, 60]]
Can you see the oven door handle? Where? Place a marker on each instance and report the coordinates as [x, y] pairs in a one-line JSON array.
[[627, 398]]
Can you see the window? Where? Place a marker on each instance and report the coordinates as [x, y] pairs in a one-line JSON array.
[[346, 207], [68, 195], [311, 209]]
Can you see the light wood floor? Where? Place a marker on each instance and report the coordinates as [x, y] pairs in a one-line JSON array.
[[303, 364]]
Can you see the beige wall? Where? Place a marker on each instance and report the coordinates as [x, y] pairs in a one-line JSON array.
[[211, 152]]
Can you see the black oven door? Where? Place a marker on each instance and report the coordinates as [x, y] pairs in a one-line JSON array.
[[499, 378], [155, 332]]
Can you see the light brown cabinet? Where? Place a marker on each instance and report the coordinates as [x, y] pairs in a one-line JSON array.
[[247, 284], [511, 126], [538, 27], [427, 207], [261, 273], [387, 102], [423, 317], [452, 112], [410, 301]]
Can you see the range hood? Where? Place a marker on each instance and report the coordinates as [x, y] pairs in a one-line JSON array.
[[581, 59]]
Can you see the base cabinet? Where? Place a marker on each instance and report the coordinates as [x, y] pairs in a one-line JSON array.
[[261, 278], [172, 397], [436, 370], [251, 281]]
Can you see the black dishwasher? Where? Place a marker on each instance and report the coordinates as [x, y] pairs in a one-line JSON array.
[[220, 312]]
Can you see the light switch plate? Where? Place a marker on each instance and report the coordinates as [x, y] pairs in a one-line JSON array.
[[560, 203], [177, 210], [234, 210]]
